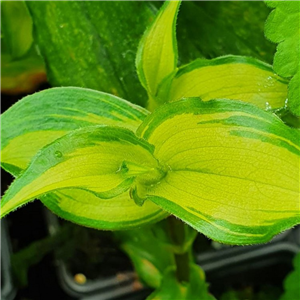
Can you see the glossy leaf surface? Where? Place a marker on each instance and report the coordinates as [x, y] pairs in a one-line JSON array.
[[92, 44], [283, 27], [157, 53], [41, 118], [230, 167], [231, 77]]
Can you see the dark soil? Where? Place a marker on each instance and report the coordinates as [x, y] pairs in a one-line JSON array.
[[93, 253]]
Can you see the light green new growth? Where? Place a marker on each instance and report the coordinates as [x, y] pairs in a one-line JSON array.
[[231, 77], [157, 53]]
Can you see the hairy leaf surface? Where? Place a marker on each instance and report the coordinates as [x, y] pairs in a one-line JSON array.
[[283, 27], [87, 209], [100, 159], [232, 77], [53, 113], [41, 118], [233, 168], [157, 53]]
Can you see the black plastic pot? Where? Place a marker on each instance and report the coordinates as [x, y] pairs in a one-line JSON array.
[[114, 287], [251, 265], [226, 266], [8, 290]]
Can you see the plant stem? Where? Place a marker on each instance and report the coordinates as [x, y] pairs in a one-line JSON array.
[[182, 267], [177, 234]]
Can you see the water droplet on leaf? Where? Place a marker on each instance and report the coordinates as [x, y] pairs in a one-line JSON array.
[[268, 106], [286, 102], [58, 154]]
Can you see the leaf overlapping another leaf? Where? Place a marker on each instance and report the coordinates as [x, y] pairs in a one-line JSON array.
[[227, 166], [92, 44], [157, 52], [231, 77], [41, 118], [221, 166], [231, 165], [90, 159], [87, 209], [283, 27]]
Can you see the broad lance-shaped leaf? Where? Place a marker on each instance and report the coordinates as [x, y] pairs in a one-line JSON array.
[[283, 27], [92, 44], [102, 160], [87, 209], [233, 168], [157, 52], [41, 118], [231, 77], [205, 29]]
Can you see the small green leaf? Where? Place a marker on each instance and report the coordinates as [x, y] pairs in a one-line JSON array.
[[230, 166], [148, 251], [89, 159], [283, 27], [171, 289], [157, 52], [291, 282], [41, 118], [231, 77], [21, 76], [16, 27]]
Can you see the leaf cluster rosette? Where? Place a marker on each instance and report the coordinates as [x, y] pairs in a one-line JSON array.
[[223, 166]]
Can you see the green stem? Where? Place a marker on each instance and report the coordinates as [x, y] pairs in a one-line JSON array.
[[182, 267], [177, 234]]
